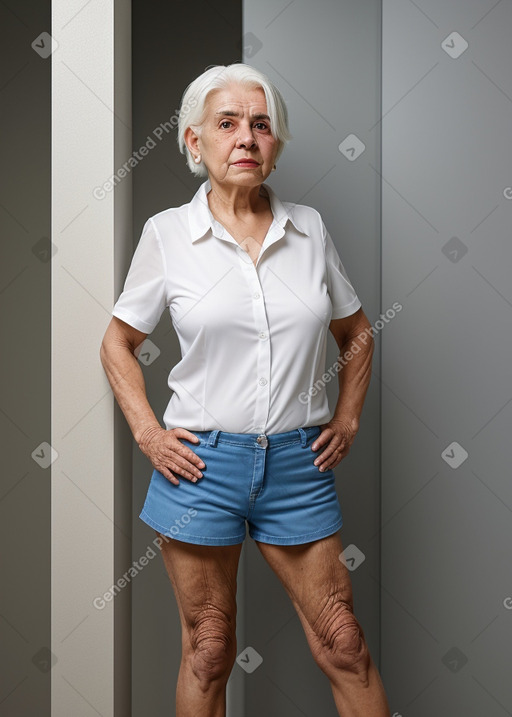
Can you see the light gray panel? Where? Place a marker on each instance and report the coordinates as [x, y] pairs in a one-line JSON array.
[[325, 59], [446, 257]]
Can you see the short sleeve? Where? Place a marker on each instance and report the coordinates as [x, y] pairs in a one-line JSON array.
[[343, 296], [144, 298]]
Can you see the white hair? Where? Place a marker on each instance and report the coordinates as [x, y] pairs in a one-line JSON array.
[[192, 108]]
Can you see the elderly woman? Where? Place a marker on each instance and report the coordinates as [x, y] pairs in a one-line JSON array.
[[252, 284]]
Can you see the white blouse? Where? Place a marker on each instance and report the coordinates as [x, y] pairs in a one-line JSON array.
[[253, 338]]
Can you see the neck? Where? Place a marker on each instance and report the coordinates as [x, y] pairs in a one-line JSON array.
[[236, 202]]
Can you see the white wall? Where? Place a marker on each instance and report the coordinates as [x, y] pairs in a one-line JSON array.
[[91, 477]]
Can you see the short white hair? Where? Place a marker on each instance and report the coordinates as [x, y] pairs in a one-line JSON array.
[[192, 108]]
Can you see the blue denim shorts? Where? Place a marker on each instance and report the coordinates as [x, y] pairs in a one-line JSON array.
[[268, 480]]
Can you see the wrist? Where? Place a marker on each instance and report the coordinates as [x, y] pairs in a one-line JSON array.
[[350, 420], [142, 436]]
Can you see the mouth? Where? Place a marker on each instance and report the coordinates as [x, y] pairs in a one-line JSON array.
[[246, 163]]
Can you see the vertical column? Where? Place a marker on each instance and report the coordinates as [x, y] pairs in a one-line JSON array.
[[90, 446]]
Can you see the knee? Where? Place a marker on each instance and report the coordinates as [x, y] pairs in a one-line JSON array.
[[213, 646], [341, 641]]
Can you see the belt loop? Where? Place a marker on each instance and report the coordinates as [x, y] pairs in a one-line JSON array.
[[303, 437], [212, 440]]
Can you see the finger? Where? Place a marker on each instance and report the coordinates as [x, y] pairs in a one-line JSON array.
[[185, 469], [184, 433], [322, 437], [334, 460], [167, 474], [325, 455], [193, 458], [182, 472], [190, 462], [186, 453]]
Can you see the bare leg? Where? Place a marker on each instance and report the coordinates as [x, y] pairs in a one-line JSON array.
[[319, 586], [204, 582]]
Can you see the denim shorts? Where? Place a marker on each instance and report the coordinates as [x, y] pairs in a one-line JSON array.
[[268, 480]]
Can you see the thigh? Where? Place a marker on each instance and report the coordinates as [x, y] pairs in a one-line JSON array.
[[316, 581], [204, 580]]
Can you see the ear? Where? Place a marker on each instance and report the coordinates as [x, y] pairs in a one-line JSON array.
[[191, 140]]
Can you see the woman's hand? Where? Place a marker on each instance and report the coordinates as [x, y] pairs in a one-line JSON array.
[[336, 437], [166, 452]]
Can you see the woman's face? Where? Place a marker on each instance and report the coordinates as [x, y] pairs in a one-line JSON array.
[[236, 126]]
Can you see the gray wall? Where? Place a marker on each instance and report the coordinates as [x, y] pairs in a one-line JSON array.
[[446, 369], [25, 289]]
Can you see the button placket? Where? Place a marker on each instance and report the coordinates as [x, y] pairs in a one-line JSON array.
[[261, 327], [263, 359], [262, 333]]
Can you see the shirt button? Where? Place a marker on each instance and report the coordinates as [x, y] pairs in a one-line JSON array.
[[262, 335], [255, 295], [263, 381]]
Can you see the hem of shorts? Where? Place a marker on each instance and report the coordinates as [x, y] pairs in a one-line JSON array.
[[188, 538], [297, 539]]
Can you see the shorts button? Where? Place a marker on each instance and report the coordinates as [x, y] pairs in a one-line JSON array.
[[262, 440]]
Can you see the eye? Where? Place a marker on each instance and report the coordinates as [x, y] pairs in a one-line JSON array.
[[225, 122], [262, 125]]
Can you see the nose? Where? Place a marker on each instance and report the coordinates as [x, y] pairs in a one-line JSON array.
[[245, 137]]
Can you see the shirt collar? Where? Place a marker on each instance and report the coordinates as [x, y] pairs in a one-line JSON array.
[[201, 218]]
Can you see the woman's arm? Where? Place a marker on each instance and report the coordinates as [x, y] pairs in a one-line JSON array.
[[126, 378], [356, 347], [163, 447], [356, 350]]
